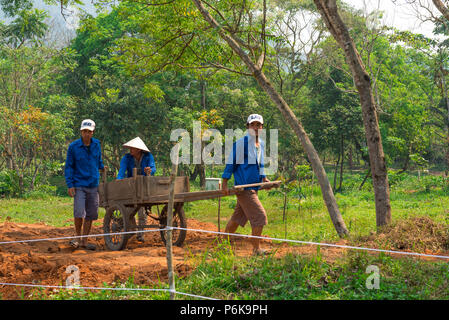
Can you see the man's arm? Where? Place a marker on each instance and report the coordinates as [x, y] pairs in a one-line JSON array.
[[151, 168], [231, 164], [100, 164], [68, 171], [122, 169], [224, 186]]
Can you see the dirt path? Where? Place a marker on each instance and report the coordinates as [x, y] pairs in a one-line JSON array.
[[46, 262]]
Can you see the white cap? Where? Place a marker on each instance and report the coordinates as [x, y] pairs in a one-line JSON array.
[[255, 117], [88, 124], [136, 143]]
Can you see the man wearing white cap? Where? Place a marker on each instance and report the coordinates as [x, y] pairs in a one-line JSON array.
[[246, 163], [82, 176], [141, 158]]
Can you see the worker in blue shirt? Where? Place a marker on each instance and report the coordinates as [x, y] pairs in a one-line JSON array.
[[82, 176], [246, 164], [141, 158]]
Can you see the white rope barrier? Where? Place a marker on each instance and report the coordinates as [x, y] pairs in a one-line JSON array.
[[103, 288], [316, 243], [194, 295], [204, 231], [78, 287], [237, 235], [83, 236]]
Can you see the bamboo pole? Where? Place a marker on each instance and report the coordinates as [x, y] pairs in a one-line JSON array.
[[262, 185], [169, 239]]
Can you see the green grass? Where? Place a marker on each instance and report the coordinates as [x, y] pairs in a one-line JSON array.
[[220, 274], [104, 294], [295, 277], [52, 210], [308, 220]]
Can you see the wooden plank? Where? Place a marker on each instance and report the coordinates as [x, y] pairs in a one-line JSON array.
[[125, 192], [261, 184]]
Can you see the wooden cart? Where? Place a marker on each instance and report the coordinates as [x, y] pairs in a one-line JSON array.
[[122, 199]]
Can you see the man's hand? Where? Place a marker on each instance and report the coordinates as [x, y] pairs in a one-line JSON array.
[[71, 192], [224, 187], [265, 179], [147, 170]]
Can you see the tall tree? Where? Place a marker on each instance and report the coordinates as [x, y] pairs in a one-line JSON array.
[[338, 29], [175, 35], [255, 68], [443, 7]]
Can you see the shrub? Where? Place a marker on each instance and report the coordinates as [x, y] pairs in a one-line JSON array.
[[9, 185], [395, 176], [41, 192]]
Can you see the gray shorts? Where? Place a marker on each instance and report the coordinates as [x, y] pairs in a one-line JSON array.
[[85, 203]]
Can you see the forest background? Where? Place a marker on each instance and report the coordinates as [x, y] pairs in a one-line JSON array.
[[50, 82], [145, 69]]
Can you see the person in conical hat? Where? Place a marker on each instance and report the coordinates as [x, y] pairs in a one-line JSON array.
[[141, 158], [138, 157]]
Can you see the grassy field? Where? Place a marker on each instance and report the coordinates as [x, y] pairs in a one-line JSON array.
[[220, 274]]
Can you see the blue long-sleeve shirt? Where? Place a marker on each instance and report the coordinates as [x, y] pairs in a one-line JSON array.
[[245, 163], [127, 164], [83, 163]]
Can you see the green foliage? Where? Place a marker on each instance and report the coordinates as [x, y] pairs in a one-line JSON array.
[[12, 7], [395, 176], [9, 185]]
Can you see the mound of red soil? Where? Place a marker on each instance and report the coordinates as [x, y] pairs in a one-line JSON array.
[[417, 234]]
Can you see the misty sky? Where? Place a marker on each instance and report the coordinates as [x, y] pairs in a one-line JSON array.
[[401, 15]]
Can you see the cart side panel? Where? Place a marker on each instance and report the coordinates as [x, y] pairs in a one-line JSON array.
[[158, 186], [117, 190], [139, 190]]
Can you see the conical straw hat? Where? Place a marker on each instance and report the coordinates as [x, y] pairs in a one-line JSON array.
[[136, 143]]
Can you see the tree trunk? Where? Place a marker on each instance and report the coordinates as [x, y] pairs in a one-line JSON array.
[[9, 153], [447, 150], [203, 94], [342, 162], [364, 179], [406, 163], [350, 161], [446, 98], [335, 171], [328, 194], [202, 174], [442, 8], [329, 12]]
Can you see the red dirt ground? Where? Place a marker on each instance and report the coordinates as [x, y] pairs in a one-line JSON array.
[[46, 262]]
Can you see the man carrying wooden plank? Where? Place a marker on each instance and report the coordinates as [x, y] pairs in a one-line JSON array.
[[246, 163]]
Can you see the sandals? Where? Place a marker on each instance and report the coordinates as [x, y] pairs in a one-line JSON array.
[[74, 244]]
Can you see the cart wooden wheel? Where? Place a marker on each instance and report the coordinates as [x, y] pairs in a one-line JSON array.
[[179, 220], [116, 220]]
